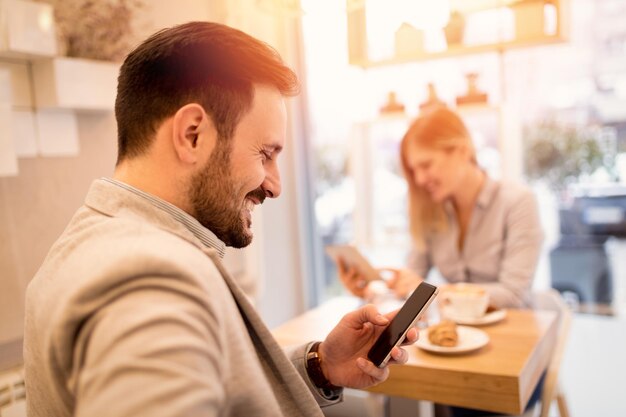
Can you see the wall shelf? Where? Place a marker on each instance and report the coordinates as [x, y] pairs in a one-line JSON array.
[[27, 30], [75, 84], [40, 92], [528, 36], [455, 51]]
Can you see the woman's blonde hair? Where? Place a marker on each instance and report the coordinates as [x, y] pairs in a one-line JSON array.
[[440, 129]]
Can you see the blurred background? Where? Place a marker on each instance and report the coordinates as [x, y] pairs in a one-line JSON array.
[[540, 83]]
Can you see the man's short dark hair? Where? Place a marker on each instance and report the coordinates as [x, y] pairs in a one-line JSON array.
[[207, 63]]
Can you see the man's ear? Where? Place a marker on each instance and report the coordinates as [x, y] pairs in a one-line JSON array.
[[193, 133]]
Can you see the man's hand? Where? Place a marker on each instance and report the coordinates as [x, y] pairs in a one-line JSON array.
[[343, 355]]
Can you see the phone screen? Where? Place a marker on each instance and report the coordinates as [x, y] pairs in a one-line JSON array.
[[394, 333]]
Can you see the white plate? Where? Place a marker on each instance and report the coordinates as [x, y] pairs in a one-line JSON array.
[[470, 339], [493, 317]]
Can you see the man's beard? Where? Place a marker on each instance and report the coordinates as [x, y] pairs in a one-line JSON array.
[[214, 199]]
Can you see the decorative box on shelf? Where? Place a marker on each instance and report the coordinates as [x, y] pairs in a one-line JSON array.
[[27, 29], [530, 19], [74, 83]]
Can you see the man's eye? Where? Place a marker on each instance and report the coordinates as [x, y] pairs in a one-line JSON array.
[[266, 156]]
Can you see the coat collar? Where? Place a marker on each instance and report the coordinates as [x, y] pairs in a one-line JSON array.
[[117, 199]]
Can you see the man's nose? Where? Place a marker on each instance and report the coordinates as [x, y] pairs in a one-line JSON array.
[[271, 184]]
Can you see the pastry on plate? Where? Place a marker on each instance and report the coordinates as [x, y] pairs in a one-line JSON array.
[[443, 334]]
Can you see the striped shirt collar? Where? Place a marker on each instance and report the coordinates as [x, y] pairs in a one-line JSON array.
[[207, 237]]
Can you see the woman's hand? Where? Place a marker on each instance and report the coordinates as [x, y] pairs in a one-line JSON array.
[[403, 281], [351, 278], [343, 355]]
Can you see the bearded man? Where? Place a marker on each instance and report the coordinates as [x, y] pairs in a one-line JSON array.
[[132, 312]]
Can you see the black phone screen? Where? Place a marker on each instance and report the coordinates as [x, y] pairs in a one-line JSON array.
[[400, 324]]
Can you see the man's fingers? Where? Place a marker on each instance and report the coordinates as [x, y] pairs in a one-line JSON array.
[[371, 314], [411, 337], [399, 355], [367, 314], [391, 314], [379, 374]]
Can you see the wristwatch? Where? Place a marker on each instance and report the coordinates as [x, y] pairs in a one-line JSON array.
[[314, 369]]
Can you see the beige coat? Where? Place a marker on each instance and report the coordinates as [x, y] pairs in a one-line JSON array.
[[131, 315]]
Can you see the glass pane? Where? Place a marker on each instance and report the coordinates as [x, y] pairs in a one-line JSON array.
[[578, 88]]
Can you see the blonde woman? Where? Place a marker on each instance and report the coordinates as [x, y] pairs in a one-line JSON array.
[[470, 227]]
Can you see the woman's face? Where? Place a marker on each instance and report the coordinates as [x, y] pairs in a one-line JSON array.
[[437, 171]]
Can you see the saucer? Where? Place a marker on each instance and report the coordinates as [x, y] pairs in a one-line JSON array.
[[470, 339], [489, 318]]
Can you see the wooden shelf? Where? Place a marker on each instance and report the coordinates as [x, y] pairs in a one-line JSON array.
[[472, 6], [455, 51], [27, 30], [75, 84], [358, 43]]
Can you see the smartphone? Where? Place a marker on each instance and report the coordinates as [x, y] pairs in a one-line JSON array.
[[394, 333], [353, 258]]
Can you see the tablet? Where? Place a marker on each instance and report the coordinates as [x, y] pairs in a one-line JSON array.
[[352, 257]]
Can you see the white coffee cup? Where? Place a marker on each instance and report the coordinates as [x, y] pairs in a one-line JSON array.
[[464, 301]]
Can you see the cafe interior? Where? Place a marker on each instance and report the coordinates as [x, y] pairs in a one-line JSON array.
[[541, 88]]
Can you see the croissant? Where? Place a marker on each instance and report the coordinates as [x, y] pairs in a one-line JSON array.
[[443, 334]]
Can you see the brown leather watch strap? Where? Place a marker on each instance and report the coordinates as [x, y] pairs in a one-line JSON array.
[[314, 369]]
